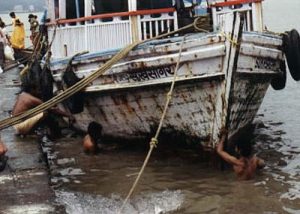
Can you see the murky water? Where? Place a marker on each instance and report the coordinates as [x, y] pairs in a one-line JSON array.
[[181, 182], [177, 182]]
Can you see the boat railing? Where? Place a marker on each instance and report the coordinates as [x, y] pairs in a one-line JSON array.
[[223, 11], [108, 31], [151, 26]]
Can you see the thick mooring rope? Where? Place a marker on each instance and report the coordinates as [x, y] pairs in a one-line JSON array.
[[68, 92], [154, 141], [82, 83], [87, 80]]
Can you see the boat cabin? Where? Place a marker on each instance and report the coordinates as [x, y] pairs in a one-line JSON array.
[[98, 25]]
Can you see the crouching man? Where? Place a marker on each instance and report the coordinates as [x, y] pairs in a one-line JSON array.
[[26, 101], [3, 158], [246, 165]]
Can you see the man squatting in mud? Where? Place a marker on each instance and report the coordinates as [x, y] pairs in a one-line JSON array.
[[26, 101], [246, 165], [3, 158], [3, 148]]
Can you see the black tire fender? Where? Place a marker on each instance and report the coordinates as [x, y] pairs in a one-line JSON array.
[[279, 81], [291, 48]]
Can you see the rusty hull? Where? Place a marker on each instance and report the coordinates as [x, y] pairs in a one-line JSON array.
[[129, 98]]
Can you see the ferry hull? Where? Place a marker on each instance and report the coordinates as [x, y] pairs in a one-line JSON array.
[[128, 99]]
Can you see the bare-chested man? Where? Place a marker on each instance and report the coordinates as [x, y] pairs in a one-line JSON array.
[[3, 148], [26, 101], [3, 158], [90, 141], [245, 166]]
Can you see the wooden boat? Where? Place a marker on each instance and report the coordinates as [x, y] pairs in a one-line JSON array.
[[222, 78], [22, 56]]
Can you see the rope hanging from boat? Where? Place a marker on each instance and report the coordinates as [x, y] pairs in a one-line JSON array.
[[81, 84], [38, 49], [154, 141], [68, 92], [229, 38], [87, 80]]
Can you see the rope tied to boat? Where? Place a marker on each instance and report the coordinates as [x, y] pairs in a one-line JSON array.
[[5, 123], [228, 36], [154, 141], [39, 41], [87, 80], [169, 95]]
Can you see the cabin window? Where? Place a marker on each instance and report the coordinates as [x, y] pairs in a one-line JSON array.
[[110, 6], [154, 4], [71, 10]]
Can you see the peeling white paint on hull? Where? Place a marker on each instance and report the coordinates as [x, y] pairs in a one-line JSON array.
[[128, 99]]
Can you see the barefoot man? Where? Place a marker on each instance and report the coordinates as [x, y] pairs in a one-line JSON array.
[[3, 158], [245, 166], [26, 101]]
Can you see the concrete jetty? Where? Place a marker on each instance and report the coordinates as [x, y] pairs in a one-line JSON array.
[[24, 184]]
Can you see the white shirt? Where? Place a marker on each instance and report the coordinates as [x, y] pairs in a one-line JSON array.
[[3, 34]]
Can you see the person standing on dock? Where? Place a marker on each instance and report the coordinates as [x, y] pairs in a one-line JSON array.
[[3, 41], [34, 29], [6, 51], [4, 31], [246, 165], [17, 38], [2, 44]]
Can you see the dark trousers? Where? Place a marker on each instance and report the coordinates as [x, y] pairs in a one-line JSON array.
[[2, 57]]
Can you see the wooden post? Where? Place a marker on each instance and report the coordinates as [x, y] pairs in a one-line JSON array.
[[87, 8], [87, 12], [230, 62], [132, 6], [51, 9], [257, 17], [236, 39], [62, 9]]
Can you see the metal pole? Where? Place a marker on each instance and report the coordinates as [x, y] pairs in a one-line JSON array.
[[77, 8]]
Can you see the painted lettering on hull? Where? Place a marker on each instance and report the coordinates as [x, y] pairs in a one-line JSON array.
[[267, 64], [144, 75]]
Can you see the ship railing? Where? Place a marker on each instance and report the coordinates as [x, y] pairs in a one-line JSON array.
[[152, 25], [108, 31], [224, 11]]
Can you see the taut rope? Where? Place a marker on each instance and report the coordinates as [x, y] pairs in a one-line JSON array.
[[154, 141], [82, 83]]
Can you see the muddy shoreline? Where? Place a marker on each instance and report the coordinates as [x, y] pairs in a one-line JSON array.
[[24, 184]]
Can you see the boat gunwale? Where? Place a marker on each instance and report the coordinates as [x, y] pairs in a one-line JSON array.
[[234, 2], [179, 80], [110, 15], [149, 44]]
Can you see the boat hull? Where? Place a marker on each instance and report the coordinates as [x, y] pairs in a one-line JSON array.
[[128, 99]]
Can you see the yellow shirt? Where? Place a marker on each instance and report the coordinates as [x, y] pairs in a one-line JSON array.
[[17, 38]]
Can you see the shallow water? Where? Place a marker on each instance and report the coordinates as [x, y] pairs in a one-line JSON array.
[[181, 182], [178, 183]]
